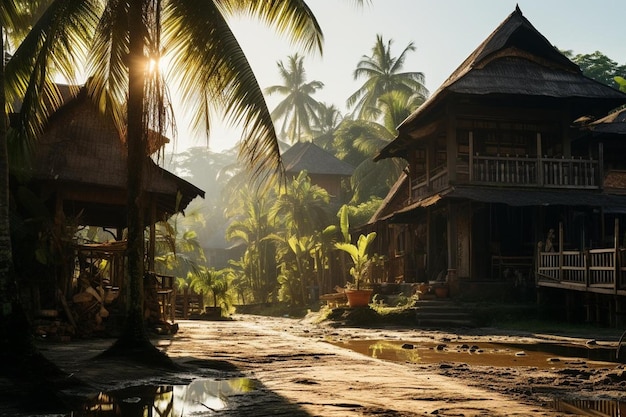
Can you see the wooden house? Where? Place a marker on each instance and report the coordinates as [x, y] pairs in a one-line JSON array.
[[496, 162], [323, 168], [79, 174]]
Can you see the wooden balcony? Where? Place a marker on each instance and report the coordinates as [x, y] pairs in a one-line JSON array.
[[573, 173], [594, 270], [535, 172]]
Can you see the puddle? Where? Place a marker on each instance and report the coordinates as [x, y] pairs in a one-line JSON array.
[[202, 397], [541, 355]]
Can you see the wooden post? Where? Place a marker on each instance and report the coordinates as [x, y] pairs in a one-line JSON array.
[[452, 245], [430, 158], [615, 255], [561, 251], [451, 146], [471, 156], [539, 161], [152, 243], [600, 165]]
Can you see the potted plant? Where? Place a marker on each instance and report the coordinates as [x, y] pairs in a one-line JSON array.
[[356, 292]]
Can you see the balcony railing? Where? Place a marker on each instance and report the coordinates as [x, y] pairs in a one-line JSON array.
[[595, 268], [513, 172], [538, 172]]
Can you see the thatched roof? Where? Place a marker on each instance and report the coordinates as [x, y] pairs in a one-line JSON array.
[[81, 156], [515, 60], [307, 156]]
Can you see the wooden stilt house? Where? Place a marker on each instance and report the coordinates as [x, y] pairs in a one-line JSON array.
[[78, 178], [497, 163]]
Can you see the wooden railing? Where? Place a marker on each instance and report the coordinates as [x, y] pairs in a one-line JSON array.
[[438, 181], [600, 270], [514, 172], [544, 172], [594, 268]]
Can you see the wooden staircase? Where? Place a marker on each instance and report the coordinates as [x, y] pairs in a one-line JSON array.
[[442, 314]]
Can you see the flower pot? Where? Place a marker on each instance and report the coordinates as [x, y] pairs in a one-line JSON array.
[[441, 291], [358, 298]]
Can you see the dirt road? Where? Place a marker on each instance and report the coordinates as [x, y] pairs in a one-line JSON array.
[[295, 372]]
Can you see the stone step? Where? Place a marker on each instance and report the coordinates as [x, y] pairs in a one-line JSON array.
[[441, 313], [444, 323]]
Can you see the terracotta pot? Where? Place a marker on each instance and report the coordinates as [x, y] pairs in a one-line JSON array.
[[441, 291], [358, 298]]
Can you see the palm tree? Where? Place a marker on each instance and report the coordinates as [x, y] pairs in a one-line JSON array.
[[207, 63], [329, 118], [251, 225], [298, 109], [382, 75], [210, 70], [302, 206]]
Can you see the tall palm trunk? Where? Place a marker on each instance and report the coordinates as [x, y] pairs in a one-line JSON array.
[[134, 339], [135, 145]]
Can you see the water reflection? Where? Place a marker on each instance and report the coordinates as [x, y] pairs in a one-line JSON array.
[[201, 397], [596, 407], [541, 355]]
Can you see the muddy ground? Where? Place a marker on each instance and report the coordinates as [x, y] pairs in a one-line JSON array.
[[293, 370]]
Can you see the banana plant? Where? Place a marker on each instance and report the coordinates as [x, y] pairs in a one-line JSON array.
[[359, 255]]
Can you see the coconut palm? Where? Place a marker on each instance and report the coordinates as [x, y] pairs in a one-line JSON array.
[[209, 68], [302, 206], [208, 65], [298, 110], [356, 141], [329, 119], [382, 73]]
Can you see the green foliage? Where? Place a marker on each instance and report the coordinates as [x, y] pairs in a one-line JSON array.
[[362, 213], [358, 254], [383, 74], [299, 110], [215, 285], [599, 67]]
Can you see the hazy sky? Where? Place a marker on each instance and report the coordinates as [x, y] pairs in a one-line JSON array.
[[444, 33]]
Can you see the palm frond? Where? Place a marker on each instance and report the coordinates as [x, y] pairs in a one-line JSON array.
[[55, 46]]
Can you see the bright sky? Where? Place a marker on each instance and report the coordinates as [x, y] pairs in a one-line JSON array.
[[444, 33]]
